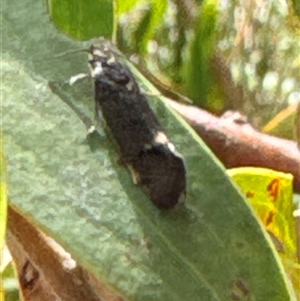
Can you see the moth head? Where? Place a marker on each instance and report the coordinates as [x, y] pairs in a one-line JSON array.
[[97, 60], [105, 67]]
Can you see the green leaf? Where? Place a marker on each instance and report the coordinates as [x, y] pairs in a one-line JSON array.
[[9, 279], [197, 75], [210, 248], [3, 211], [83, 20], [296, 5], [271, 194], [3, 198], [125, 6], [146, 15], [283, 124]]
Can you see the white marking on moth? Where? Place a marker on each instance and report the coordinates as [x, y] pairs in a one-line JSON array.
[[161, 138], [76, 78], [111, 60], [97, 70], [98, 52], [129, 86], [134, 174], [171, 147]]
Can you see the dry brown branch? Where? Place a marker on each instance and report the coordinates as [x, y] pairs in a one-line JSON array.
[[236, 143], [46, 271]]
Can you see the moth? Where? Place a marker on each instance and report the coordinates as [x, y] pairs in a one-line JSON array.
[[145, 149]]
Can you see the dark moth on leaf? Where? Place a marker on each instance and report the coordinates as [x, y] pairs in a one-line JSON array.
[[146, 151]]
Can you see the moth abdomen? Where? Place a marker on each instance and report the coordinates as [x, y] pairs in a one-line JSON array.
[[145, 149], [162, 172]]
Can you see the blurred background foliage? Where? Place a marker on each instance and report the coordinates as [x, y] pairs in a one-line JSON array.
[[240, 55], [224, 55]]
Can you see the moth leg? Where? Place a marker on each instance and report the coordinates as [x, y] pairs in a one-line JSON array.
[[134, 174], [97, 110], [78, 77], [136, 179], [97, 122]]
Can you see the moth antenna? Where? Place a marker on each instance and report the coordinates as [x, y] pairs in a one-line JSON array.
[[71, 52], [62, 54]]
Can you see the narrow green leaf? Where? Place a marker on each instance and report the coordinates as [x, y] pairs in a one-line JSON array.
[[151, 14], [3, 198], [210, 248], [197, 75], [3, 212], [283, 124]]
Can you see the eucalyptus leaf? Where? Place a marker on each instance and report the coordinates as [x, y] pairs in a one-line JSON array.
[[212, 247]]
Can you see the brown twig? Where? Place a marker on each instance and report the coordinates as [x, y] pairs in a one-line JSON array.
[[236, 143], [46, 271]]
